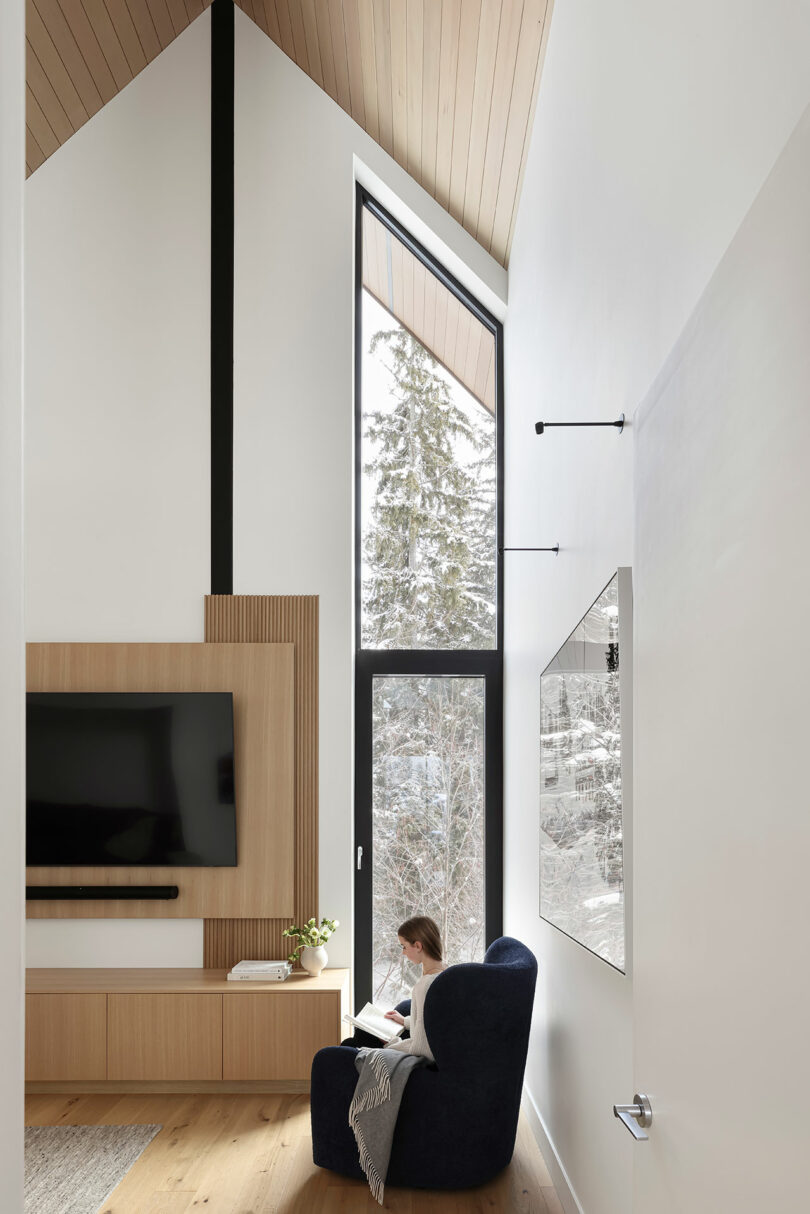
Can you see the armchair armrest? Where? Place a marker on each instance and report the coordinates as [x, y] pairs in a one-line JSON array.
[[332, 1084]]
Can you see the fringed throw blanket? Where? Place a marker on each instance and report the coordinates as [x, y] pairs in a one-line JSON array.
[[375, 1106]]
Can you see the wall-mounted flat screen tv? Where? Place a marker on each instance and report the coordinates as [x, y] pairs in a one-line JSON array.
[[130, 778]]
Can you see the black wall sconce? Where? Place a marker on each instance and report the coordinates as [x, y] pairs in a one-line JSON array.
[[541, 427], [555, 549]]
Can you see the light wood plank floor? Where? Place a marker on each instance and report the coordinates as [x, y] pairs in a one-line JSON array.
[[252, 1154]]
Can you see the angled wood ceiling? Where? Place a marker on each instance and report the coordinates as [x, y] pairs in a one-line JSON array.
[[80, 53], [447, 87]]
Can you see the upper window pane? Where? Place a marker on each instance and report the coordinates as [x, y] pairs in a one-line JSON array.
[[428, 458]]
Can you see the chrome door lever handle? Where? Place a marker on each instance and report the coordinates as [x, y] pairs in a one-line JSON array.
[[635, 1117]]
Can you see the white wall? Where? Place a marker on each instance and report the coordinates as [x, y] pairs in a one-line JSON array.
[[655, 128], [722, 990], [296, 156], [118, 403], [12, 680], [117, 373]]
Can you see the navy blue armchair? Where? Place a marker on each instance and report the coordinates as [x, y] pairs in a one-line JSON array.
[[458, 1117]]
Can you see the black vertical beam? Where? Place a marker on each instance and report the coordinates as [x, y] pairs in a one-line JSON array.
[[222, 77]]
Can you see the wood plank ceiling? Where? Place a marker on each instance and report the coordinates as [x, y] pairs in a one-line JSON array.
[[447, 87], [80, 53]]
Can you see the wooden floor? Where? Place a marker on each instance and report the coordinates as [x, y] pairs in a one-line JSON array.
[[252, 1154]]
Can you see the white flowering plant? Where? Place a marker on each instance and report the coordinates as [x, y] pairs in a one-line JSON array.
[[310, 935]]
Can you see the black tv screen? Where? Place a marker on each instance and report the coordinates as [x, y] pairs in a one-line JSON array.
[[130, 778]]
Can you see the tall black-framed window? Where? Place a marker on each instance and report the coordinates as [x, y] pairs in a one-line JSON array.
[[428, 605]]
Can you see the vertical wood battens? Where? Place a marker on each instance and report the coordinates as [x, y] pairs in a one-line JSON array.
[[292, 619]]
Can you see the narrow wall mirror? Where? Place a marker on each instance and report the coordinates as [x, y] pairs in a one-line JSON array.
[[585, 734]]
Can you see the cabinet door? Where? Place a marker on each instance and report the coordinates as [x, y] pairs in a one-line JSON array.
[[165, 1037], [275, 1036], [65, 1037]]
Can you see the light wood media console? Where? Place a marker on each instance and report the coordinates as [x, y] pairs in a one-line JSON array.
[[177, 1029]]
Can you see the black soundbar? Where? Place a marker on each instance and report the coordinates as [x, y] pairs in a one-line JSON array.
[[59, 893]]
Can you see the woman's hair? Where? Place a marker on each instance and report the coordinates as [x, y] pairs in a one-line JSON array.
[[424, 930]]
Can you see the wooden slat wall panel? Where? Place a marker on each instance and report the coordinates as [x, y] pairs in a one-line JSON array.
[[261, 678], [447, 87], [425, 307], [293, 619], [81, 53]]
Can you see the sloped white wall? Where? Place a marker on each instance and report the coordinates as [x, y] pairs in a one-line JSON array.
[[655, 129], [118, 404], [12, 679], [117, 374]]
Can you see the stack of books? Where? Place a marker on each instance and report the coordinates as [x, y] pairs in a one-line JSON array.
[[260, 971]]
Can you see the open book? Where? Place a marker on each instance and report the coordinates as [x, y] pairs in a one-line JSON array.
[[372, 1020]]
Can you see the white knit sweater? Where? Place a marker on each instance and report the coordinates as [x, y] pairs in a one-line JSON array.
[[417, 1043]]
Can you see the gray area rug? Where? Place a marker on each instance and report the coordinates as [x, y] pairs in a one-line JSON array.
[[72, 1169]]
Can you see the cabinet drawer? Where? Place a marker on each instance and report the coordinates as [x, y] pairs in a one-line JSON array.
[[275, 1036], [65, 1037], [164, 1037]]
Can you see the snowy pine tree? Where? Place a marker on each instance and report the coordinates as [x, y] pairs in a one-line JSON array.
[[429, 552], [430, 547]]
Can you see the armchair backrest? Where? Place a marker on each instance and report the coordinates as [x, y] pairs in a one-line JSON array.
[[481, 1012]]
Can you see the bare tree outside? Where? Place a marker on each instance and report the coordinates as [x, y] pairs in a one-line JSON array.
[[428, 582]]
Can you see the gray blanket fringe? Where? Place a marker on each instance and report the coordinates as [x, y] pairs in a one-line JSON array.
[[374, 1109]]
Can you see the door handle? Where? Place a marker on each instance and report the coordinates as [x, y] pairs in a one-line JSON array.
[[359, 858], [635, 1117]]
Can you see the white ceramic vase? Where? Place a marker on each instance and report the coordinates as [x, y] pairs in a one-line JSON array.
[[313, 960]]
